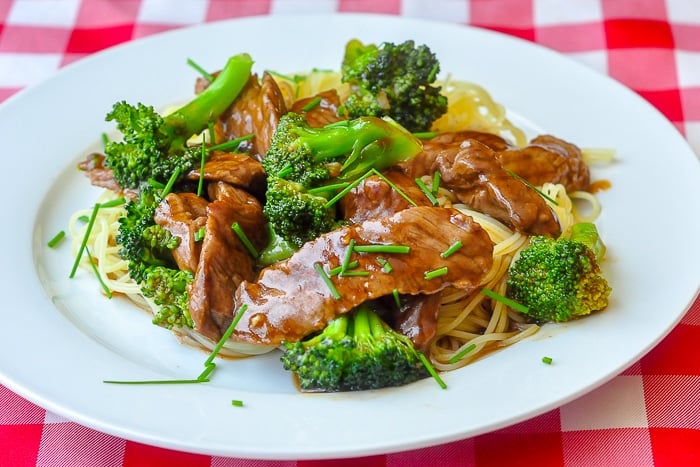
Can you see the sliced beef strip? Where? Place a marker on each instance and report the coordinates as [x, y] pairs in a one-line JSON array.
[[548, 159], [473, 173], [416, 318], [183, 214], [224, 261], [257, 110], [290, 299], [321, 114], [236, 169], [373, 197]]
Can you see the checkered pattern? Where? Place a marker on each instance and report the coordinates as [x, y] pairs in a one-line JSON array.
[[650, 414]]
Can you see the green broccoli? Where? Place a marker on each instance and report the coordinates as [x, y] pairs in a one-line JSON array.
[[147, 248], [167, 287], [154, 147], [355, 351], [395, 80], [560, 279], [305, 166]]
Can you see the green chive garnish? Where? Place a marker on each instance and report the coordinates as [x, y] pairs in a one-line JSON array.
[[113, 203], [237, 403], [169, 186], [386, 265], [336, 270], [457, 357], [312, 103], [347, 256], [452, 249], [426, 191], [327, 280], [245, 240], [97, 273], [548, 198], [505, 300], [232, 144], [397, 298], [379, 248], [547, 360], [199, 234], [200, 70], [436, 183], [431, 370], [53, 243], [209, 364], [425, 134], [436, 273], [202, 159], [83, 244], [84, 218]]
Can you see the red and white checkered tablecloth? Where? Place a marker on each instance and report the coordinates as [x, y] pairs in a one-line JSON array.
[[648, 415]]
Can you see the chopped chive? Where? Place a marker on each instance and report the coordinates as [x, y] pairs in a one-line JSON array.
[[293, 79], [312, 103], [458, 356], [83, 244], [426, 191], [347, 256], [548, 198], [232, 144], [105, 139], [547, 360], [202, 159], [200, 70], [226, 335], [397, 298], [346, 190], [237, 403], [452, 249], [327, 280], [436, 273], [208, 369], [245, 240], [436, 183], [386, 265], [53, 243], [209, 364], [354, 273], [325, 188], [336, 270], [212, 133], [379, 248], [505, 300], [394, 187], [84, 218], [113, 203], [425, 134], [169, 186], [431, 370], [97, 273], [157, 381], [199, 234]]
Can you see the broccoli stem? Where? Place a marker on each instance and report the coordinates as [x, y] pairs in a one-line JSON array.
[[587, 233], [368, 142], [194, 116]]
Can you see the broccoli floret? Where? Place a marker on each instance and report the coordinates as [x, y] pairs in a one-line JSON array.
[[560, 279], [304, 166], [354, 352], [395, 80], [147, 248], [167, 288], [153, 147], [295, 215]]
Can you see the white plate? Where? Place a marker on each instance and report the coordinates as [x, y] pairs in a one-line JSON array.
[[61, 339]]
